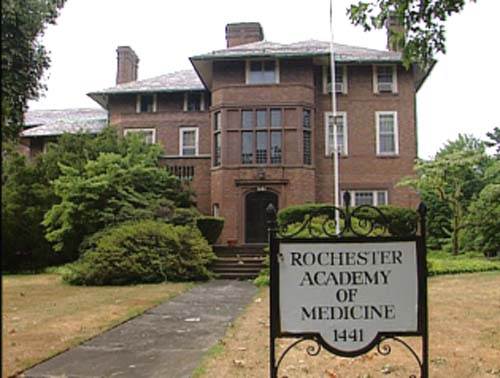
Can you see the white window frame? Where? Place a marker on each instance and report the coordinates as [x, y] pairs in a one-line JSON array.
[[139, 130], [345, 150], [276, 71], [343, 86], [374, 193], [183, 130], [394, 85], [186, 100], [138, 103], [396, 133]]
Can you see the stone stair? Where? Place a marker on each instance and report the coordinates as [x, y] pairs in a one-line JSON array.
[[239, 263]]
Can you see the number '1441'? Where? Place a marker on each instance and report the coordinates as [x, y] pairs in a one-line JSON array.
[[346, 335]]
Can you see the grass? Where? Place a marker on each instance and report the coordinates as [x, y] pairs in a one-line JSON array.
[[42, 316], [464, 329]]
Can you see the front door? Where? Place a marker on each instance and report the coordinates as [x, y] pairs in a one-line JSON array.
[[255, 215]]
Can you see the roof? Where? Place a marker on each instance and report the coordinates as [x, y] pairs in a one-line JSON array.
[[312, 47], [185, 80], [318, 50], [44, 123]]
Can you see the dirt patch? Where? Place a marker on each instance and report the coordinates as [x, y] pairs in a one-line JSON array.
[[42, 316], [464, 324]]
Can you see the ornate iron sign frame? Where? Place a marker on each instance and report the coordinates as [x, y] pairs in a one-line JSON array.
[[320, 223]]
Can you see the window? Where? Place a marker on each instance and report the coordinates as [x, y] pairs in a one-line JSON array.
[[149, 134], [217, 121], [306, 125], [146, 103], [262, 72], [367, 197], [217, 139], [194, 102], [261, 141], [217, 149], [247, 147], [340, 79], [188, 141], [341, 122], [387, 133], [385, 79], [275, 147]]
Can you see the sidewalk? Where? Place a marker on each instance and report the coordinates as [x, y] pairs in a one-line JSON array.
[[168, 341]]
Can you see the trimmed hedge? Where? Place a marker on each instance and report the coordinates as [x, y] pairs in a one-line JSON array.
[[210, 227], [143, 252], [400, 221]]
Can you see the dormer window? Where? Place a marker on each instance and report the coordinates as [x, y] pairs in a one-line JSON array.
[[146, 103], [385, 79], [340, 79], [194, 102], [262, 72]]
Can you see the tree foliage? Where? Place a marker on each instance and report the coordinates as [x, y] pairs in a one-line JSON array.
[[453, 178], [24, 58], [423, 22], [114, 187], [24, 202]]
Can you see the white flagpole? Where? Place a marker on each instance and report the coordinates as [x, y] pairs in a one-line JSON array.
[[335, 154]]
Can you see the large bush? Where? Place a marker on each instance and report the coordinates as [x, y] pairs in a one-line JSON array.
[[210, 227], [142, 252], [109, 190]]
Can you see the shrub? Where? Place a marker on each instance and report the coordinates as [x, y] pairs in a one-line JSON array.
[[297, 214], [183, 217], [142, 252], [210, 227], [400, 220]]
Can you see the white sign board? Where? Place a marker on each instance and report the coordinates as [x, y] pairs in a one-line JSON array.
[[348, 292]]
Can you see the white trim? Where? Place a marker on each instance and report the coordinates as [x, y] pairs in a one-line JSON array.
[[394, 85], [345, 150], [182, 130], [276, 70], [327, 88], [396, 133], [374, 193], [138, 130]]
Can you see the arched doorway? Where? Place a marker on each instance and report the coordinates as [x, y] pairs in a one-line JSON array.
[[255, 215]]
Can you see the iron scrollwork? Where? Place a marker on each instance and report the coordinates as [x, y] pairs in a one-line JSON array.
[[335, 222]]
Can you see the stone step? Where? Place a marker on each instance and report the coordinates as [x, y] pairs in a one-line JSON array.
[[237, 276]]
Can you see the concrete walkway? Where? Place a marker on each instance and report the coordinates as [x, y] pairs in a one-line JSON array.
[[167, 341]]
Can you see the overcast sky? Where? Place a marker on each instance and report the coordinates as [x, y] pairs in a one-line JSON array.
[[461, 95]]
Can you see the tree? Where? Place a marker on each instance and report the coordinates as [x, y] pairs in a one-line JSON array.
[[109, 190], [484, 215], [455, 176], [494, 141], [24, 58], [423, 22]]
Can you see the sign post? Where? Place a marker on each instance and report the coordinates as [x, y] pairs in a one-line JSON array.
[[348, 292]]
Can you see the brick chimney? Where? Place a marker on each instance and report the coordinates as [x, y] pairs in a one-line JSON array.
[[243, 32], [395, 33], [128, 65]]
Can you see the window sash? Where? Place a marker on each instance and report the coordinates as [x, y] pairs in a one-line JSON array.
[[262, 72], [276, 151], [367, 197], [188, 141], [387, 133], [341, 133], [247, 147], [149, 134]]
